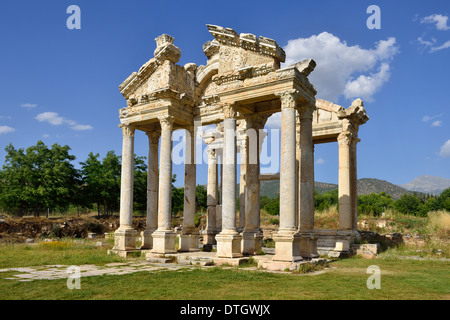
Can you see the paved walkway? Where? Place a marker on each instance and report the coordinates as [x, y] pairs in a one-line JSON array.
[[52, 272]]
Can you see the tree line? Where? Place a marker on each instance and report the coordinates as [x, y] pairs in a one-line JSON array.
[[41, 178]]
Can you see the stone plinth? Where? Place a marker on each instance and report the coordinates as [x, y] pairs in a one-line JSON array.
[[287, 247], [308, 245], [229, 245], [251, 242], [147, 239], [188, 243], [164, 241], [124, 239]]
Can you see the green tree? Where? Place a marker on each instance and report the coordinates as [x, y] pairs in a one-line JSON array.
[[201, 197], [38, 179], [140, 184], [444, 200], [323, 201], [411, 204], [374, 203]]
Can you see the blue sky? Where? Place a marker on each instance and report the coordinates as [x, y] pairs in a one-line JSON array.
[[61, 85]]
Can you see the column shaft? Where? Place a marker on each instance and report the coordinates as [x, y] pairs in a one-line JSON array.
[[306, 171], [211, 200], [287, 170], [152, 190], [229, 176], [127, 178], [164, 236], [189, 184], [345, 206]]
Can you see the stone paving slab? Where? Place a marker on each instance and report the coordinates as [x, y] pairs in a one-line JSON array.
[[52, 272]]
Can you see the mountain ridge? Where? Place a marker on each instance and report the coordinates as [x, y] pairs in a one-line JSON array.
[[427, 184]]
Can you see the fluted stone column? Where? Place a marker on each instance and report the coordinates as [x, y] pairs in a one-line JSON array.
[[152, 190], [345, 231], [229, 240], [125, 235], [242, 182], [252, 235], [345, 206], [287, 239], [209, 235], [189, 236], [353, 181], [308, 241], [220, 195], [164, 236]]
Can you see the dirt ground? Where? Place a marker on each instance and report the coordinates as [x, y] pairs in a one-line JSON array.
[[20, 229]]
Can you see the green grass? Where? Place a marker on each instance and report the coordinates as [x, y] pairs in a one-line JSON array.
[[345, 279], [23, 255]]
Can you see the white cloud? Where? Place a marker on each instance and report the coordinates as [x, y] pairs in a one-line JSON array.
[[45, 135], [436, 123], [56, 120], [6, 117], [28, 105], [81, 127], [444, 46], [6, 129], [320, 161], [366, 86], [274, 121], [50, 117], [438, 19], [445, 150], [338, 65]]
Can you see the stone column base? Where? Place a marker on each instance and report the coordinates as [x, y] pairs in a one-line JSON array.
[[147, 239], [209, 236], [344, 239], [228, 245], [287, 247], [125, 239], [189, 242], [308, 245], [164, 241], [251, 242]]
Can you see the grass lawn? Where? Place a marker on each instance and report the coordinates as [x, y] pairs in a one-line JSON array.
[[345, 279]]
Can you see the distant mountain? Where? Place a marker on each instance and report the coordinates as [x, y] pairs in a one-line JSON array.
[[427, 184], [271, 188], [370, 185]]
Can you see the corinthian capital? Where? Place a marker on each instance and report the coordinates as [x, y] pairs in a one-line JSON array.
[[229, 110], [288, 98], [345, 138], [306, 112], [166, 122], [153, 136], [127, 130], [256, 121]]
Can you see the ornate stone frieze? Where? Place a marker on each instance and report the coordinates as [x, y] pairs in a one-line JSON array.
[[248, 41]]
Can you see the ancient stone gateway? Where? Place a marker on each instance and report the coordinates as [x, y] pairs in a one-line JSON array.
[[240, 86]]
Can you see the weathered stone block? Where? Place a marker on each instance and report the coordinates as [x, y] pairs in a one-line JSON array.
[[228, 245]]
